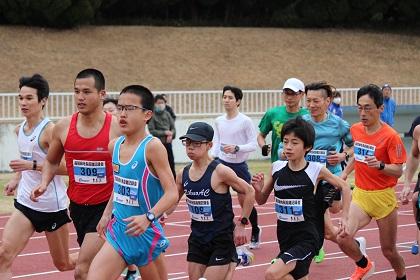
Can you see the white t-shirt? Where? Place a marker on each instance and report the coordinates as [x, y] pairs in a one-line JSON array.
[[239, 131]]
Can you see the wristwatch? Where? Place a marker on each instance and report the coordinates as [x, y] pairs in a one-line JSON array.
[[381, 166], [150, 216], [244, 221], [236, 148]]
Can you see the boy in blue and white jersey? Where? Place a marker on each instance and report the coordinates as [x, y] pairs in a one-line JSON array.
[[144, 189]]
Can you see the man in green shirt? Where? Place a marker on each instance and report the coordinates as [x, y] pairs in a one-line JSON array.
[[275, 117]]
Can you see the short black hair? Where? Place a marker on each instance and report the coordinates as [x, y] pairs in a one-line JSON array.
[[95, 74], [302, 130], [36, 82], [110, 100], [160, 97], [146, 96], [329, 89], [374, 92], [235, 90]]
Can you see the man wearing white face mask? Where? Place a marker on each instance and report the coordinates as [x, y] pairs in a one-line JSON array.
[[335, 106], [162, 126]]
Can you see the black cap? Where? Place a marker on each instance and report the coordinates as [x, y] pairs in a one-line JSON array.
[[199, 131]]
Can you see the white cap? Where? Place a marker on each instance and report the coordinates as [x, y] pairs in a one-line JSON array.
[[294, 84]]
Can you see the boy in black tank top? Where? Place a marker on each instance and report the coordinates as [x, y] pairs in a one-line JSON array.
[[205, 183], [298, 205]]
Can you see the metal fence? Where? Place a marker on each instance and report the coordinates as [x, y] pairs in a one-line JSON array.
[[195, 103]]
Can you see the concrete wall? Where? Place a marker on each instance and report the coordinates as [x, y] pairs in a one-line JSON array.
[[405, 116]]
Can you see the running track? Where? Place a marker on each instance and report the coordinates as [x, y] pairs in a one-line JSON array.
[[35, 262]]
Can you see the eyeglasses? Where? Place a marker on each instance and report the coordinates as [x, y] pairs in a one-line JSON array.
[[290, 92], [367, 108], [129, 108], [195, 144]]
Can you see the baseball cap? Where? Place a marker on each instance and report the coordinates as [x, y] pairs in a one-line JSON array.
[[294, 84], [386, 86], [199, 131]]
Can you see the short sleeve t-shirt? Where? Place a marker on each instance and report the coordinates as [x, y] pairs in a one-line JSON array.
[[273, 120], [386, 145]]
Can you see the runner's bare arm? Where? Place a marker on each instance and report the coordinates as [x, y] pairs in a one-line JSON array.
[[53, 159], [229, 177], [348, 170], [178, 182], [340, 184], [262, 189], [413, 161]]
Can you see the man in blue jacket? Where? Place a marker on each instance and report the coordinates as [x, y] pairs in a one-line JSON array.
[[390, 106]]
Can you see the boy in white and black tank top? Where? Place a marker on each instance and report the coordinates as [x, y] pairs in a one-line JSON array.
[[298, 205]]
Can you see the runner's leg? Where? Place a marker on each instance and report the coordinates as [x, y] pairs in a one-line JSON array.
[[107, 264], [12, 244], [388, 239], [58, 242], [91, 245]]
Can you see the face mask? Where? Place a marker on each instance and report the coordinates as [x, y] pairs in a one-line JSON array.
[[159, 107], [337, 100]]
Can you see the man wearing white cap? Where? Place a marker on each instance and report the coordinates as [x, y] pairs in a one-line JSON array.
[[275, 117]]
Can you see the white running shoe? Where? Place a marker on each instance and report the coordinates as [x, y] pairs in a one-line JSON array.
[[362, 245], [256, 239]]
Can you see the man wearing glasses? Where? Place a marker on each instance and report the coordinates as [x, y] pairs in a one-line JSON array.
[[206, 183], [275, 117], [378, 158]]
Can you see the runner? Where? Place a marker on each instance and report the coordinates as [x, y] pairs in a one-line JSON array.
[[49, 215], [143, 189], [378, 158], [234, 139], [275, 117], [295, 181], [410, 169], [330, 133], [83, 138], [205, 182]]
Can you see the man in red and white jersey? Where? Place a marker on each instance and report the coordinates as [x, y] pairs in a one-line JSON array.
[[83, 138]]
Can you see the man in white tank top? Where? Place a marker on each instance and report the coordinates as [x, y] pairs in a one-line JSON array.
[[49, 214]]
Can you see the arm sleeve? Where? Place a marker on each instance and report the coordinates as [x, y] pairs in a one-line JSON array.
[[251, 136], [215, 150], [396, 150], [265, 125]]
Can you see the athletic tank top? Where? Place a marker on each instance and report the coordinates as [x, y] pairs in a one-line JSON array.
[[211, 213], [89, 165], [136, 189], [55, 198], [296, 205]]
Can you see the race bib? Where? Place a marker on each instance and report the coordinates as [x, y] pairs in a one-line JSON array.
[[126, 191], [289, 210], [200, 209], [361, 150], [319, 156], [89, 172], [25, 155]]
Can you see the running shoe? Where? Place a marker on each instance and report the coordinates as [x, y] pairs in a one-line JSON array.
[[415, 248], [131, 275], [362, 244], [321, 255], [363, 273], [256, 239]]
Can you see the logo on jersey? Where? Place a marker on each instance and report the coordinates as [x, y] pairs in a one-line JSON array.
[[116, 167], [54, 225], [33, 138], [186, 183], [134, 165], [162, 243], [100, 149]]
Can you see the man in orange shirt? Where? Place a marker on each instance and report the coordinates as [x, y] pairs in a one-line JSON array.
[[378, 158]]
